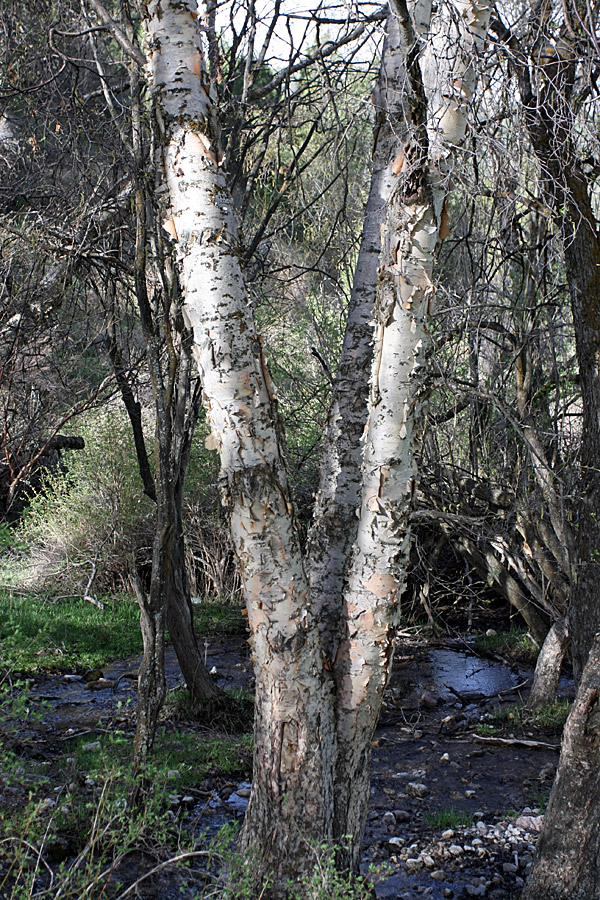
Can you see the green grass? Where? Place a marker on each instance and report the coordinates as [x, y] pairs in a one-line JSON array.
[[218, 618], [514, 644], [193, 756], [42, 634], [448, 818], [552, 716]]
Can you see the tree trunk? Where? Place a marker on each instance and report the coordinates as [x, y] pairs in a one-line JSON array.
[[547, 668], [294, 803], [291, 798], [180, 623], [582, 257], [335, 522], [566, 865], [436, 117]]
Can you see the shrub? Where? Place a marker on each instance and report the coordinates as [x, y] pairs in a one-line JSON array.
[[86, 521]]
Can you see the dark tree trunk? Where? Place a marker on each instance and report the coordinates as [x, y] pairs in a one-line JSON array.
[[181, 624], [566, 865], [549, 115], [582, 257]]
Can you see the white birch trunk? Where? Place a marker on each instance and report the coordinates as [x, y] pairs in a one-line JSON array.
[[335, 521], [292, 789], [405, 296]]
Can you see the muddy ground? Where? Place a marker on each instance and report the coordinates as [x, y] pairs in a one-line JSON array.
[[453, 812]]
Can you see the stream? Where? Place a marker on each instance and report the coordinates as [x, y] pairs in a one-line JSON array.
[[427, 760]]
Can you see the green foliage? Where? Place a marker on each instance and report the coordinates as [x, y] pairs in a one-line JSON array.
[[448, 818], [326, 882], [38, 633], [88, 521]]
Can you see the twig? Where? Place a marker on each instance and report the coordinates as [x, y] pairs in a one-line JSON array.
[[169, 862], [515, 742]]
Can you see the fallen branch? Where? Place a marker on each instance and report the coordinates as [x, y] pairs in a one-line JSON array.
[[515, 742]]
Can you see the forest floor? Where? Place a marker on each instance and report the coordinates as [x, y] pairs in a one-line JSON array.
[[461, 774]]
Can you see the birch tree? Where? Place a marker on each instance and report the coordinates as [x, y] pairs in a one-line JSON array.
[[314, 716]]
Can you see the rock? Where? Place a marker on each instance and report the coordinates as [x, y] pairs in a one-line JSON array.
[[69, 677], [93, 745], [429, 700], [414, 863], [416, 789], [447, 834], [445, 757], [455, 850], [469, 794], [244, 789], [509, 868], [448, 892], [395, 844], [401, 815], [438, 875], [428, 860], [237, 803], [92, 675], [475, 890], [100, 684], [173, 773], [188, 801], [491, 633], [532, 824], [388, 819]]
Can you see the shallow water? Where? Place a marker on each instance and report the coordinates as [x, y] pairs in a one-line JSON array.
[[467, 674]]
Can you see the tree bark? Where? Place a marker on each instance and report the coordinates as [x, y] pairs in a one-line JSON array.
[[301, 795], [547, 668], [335, 523], [291, 798], [436, 116], [566, 865]]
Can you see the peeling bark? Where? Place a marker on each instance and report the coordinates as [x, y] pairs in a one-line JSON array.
[[436, 114], [335, 522], [291, 797], [301, 792]]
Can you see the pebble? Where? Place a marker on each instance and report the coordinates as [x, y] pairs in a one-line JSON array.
[[401, 815], [93, 745], [455, 850], [469, 794], [446, 835], [532, 824], [173, 773], [510, 868], [445, 757], [472, 890], [414, 863], [388, 818], [416, 789], [438, 875]]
